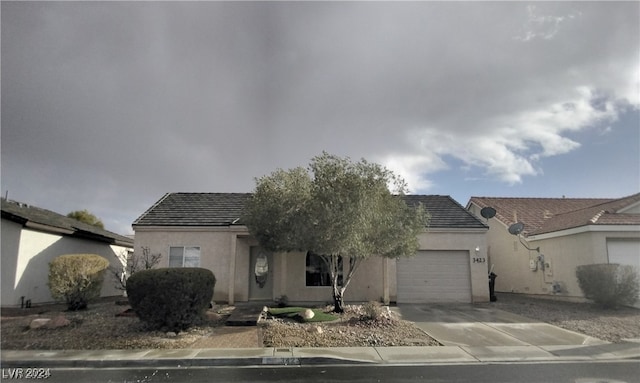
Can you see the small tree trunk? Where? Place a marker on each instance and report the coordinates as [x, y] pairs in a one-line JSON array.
[[338, 299], [338, 290]]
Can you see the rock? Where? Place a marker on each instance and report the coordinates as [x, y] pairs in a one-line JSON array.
[[315, 329], [38, 323], [212, 315], [171, 334], [307, 314], [59, 321]]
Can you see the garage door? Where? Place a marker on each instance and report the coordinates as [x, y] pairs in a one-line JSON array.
[[434, 276], [625, 252]]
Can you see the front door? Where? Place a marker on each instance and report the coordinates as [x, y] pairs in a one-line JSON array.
[[260, 274]]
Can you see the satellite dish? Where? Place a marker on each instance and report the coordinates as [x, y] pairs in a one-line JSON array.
[[488, 212], [516, 228]]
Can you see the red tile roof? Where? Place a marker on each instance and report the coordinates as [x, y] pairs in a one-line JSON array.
[[546, 215]]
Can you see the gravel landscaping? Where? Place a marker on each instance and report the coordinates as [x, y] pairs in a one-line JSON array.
[[353, 329], [612, 325], [99, 328]]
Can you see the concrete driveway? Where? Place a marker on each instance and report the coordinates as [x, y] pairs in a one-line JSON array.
[[469, 325]]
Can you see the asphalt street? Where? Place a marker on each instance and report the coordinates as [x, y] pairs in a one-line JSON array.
[[575, 372]]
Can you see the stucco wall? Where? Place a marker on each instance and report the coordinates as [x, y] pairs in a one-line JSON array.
[[366, 284], [565, 253], [10, 247], [32, 251], [218, 244], [215, 247], [562, 254]]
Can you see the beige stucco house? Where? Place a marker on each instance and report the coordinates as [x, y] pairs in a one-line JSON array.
[[205, 230], [32, 237], [559, 235]]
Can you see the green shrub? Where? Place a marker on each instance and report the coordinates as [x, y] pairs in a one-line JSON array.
[[77, 279], [609, 284], [171, 299]]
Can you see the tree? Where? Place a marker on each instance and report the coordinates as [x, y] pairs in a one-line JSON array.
[[86, 217], [336, 209], [132, 263]]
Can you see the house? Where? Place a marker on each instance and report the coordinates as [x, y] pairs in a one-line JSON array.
[[558, 235], [32, 237], [205, 230]]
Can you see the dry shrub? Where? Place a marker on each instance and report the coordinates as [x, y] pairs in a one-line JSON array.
[[609, 284], [77, 279], [372, 311]]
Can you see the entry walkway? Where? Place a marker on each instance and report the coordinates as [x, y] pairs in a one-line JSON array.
[[466, 325]]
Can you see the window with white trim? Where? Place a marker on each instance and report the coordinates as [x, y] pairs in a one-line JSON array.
[[317, 270], [184, 256]]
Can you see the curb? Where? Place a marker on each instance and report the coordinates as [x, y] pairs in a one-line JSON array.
[[407, 355], [218, 362]]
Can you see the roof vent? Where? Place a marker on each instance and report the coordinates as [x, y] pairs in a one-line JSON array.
[[547, 214]]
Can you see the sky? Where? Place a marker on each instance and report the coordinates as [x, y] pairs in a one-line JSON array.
[[107, 106]]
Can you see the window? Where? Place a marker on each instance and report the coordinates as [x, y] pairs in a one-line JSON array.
[[317, 270], [183, 256]]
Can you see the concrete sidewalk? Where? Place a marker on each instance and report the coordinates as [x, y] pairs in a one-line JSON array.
[[469, 334], [316, 356]]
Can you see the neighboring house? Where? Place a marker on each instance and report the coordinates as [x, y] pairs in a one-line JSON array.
[[204, 230], [568, 232], [32, 237]]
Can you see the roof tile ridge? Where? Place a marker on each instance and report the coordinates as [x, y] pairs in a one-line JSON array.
[[596, 217]]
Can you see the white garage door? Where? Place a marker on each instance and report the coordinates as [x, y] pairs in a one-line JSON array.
[[625, 252], [434, 276]]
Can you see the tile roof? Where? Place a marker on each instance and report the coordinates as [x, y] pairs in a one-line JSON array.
[[195, 209], [445, 212], [546, 215], [224, 209], [25, 214]]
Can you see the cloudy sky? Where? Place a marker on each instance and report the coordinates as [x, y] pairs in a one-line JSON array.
[[107, 106]]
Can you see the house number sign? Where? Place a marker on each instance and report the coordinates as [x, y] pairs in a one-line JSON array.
[[479, 260]]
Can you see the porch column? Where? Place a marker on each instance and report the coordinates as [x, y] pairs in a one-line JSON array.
[[385, 280], [282, 273], [232, 269]]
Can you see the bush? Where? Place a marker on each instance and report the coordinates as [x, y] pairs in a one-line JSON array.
[[372, 311], [609, 284], [77, 279], [171, 299]]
